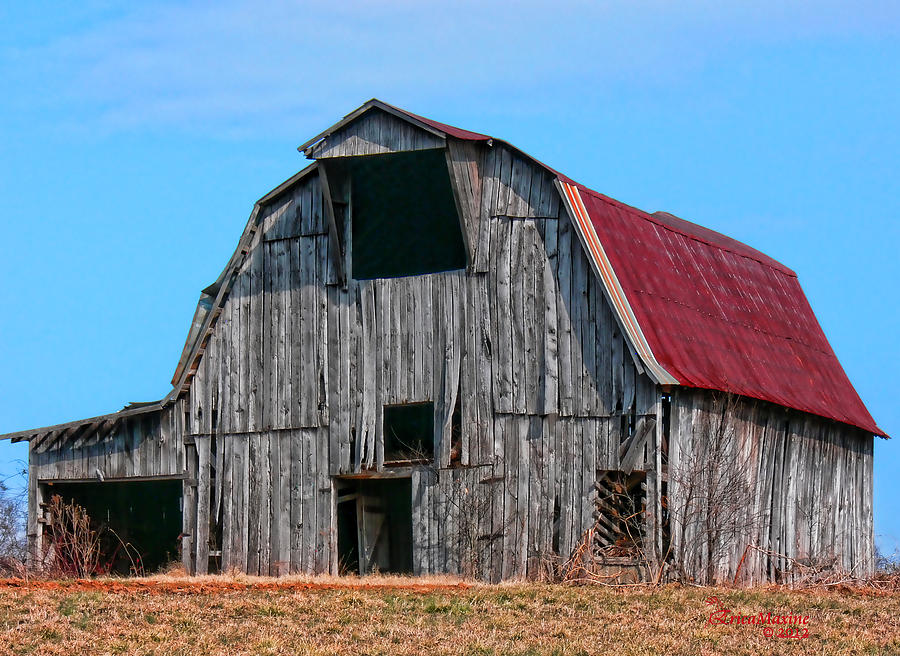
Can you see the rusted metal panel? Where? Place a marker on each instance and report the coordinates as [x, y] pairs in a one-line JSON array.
[[720, 315]]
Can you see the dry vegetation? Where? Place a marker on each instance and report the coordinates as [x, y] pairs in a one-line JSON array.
[[379, 615]]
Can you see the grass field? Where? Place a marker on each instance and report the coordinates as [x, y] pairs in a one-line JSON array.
[[381, 615]]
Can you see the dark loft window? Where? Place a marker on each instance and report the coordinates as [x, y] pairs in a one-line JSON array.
[[409, 432], [403, 216]]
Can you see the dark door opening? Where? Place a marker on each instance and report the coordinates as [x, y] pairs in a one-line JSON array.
[[143, 514], [348, 542], [375, 526]]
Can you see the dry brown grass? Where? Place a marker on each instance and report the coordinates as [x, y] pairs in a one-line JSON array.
[[172, 615]]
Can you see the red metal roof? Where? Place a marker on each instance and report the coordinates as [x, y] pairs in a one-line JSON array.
[[721, 315]]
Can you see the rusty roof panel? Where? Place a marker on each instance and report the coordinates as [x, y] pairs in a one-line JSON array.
[[721, 315]]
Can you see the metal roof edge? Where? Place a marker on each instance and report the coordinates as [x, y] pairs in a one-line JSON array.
[[615, 294], [877, 433]]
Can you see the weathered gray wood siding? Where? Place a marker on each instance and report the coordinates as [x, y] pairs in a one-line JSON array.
[[294, 378], [374, 133], [145, 445], [804, 486], [271, 493], [539, 493]]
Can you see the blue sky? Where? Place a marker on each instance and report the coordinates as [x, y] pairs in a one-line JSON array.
[[135, 137]]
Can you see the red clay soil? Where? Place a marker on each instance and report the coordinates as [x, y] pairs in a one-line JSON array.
[[162, 586]]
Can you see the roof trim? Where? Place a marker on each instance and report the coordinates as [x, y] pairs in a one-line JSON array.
[[23, 435], [287, 184], [224, 281], [447, 130], [611, 285]]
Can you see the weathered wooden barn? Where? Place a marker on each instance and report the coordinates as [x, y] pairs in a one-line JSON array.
[[432, 353]]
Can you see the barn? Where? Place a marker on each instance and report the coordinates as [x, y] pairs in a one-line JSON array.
[[431, 353]]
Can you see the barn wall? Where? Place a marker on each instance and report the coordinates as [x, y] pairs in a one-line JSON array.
[[790, 483], [523, 340], [272, 502], [502, 521]]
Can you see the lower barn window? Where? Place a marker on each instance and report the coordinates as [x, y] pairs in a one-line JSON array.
[[409, 432]]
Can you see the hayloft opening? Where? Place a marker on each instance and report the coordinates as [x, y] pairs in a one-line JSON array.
[[403, 215], [375, 526], [138, 522], [408, 432]]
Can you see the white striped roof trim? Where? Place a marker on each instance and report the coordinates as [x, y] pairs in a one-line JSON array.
[[585, 229]]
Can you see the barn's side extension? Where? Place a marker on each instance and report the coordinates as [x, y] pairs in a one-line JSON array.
[[431, 353]]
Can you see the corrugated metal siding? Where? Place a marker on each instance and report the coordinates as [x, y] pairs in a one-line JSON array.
[[720, 315]]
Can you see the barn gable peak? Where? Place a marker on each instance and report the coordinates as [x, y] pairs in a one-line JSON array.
[[377, 127]]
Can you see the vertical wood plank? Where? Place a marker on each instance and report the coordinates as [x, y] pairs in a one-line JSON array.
[[296, 500], [257, 490], [202, 532], [275, 492], [284, 511], [189, 513]]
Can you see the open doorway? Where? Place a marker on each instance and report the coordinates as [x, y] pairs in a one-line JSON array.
[[146, 515], [374, 525]]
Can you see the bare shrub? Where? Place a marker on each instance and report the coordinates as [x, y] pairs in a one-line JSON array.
[[78, 548], [470, 504], [74, 544], [12, 528], [473, 507], [12, 521], [709, 512], [591, 561], [887, 564]]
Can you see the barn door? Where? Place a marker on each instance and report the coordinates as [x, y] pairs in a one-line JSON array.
[[374, 536], [375, 526]]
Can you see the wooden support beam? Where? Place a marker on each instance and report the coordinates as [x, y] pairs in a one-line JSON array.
[[30, 434], [108, 427], [48, 438], [81, 436]]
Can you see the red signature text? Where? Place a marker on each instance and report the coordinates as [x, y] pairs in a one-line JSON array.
[[773, 626]]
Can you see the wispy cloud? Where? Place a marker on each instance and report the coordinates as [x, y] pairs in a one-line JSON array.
[[239, 67]]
